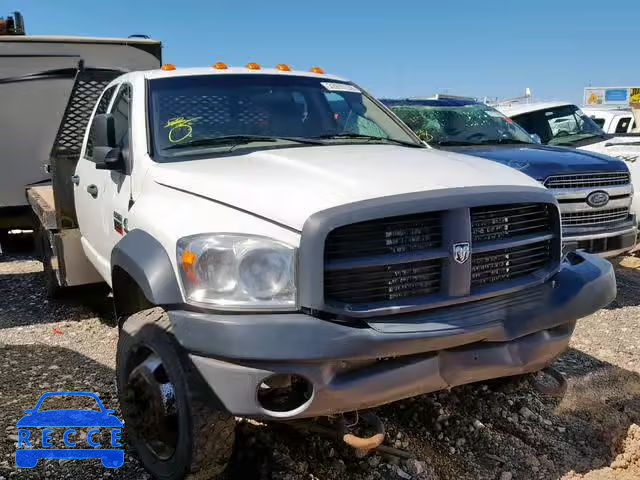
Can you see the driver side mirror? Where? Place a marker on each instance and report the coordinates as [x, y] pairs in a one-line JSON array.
[[106, 154], [536, 138]]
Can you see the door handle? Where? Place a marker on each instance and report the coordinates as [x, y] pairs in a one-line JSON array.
[[75, 179], [93, 190]]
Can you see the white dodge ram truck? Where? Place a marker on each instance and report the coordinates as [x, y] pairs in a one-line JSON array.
[[280, 246]]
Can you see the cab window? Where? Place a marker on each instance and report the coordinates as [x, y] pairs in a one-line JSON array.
[[121, 111], [623, 125], [103, 104], [352, 115]]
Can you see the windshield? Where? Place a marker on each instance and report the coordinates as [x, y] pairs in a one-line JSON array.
[[564, 125], [206, 114], [471, 124]]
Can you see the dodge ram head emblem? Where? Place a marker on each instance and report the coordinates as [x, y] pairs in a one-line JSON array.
[[461, 252], [598, 199]]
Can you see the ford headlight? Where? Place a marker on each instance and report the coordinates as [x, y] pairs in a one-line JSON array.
[[237, 271]]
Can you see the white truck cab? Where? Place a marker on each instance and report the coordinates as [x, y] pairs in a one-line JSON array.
[[281, 246], [612, 120]]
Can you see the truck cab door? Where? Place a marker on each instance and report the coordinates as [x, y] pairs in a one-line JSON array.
[[117, 196], [89, 183]]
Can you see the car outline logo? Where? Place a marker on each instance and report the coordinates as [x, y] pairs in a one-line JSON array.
[[68, 418]]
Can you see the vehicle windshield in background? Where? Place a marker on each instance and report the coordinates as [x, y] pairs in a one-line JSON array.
[[198, 115], [471, 124], [566, 125]]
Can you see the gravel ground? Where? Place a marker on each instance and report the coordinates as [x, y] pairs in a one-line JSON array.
[[499, 430]]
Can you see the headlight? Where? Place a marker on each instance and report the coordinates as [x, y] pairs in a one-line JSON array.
[[238, 271]]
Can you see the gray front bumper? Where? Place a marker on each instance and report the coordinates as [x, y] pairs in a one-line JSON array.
[[604, 243], [364, 365]]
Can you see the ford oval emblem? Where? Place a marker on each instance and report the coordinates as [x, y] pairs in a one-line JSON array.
[[598, 199]]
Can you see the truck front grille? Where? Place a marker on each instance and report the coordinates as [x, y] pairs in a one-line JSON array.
[[595, 218], [398, 235], [509, 263], [508, 221], [587, 180], [384, 282], [409, 258]]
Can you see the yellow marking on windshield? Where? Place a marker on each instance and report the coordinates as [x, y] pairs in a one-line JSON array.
[[180, 128]]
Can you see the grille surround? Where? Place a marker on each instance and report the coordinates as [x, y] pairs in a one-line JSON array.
[[455, 204], [587, 180], [369, 282]]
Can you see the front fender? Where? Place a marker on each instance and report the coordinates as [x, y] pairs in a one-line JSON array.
[[144, 259]]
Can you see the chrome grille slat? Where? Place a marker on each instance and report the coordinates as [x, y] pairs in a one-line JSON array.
[[595, 217], [480, 211], [346, 279], [588, 180]]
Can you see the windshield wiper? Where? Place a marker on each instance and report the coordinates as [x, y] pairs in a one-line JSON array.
[[235, 140], [368, 137], [505, 141], [455, 143]]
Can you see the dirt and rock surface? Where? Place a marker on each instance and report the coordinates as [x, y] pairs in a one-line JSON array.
[[497, 430]]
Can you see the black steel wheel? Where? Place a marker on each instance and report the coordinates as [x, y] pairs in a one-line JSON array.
[[171, 417]]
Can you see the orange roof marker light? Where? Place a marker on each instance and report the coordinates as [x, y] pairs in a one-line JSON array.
[[317, 70], [168, 67], [252, 66], [283, 67], [220, 66]]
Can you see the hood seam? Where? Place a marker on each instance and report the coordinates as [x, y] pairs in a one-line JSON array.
[[248, 212]]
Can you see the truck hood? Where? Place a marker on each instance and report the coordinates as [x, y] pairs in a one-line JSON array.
[[541, 161], [290, 184]]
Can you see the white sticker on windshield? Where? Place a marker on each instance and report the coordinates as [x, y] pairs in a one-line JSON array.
[[339, 87], [493, 113]]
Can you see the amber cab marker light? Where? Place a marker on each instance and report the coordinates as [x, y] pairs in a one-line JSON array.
[[220, 66], [283, 67], [168, 67], [253, 66], [317, 70]]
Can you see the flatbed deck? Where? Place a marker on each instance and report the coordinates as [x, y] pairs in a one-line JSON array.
[[43, 204]]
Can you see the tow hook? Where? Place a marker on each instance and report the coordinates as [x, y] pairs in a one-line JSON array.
[[363, 444]]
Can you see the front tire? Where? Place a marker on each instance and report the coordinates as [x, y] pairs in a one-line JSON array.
[[170, 413]]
